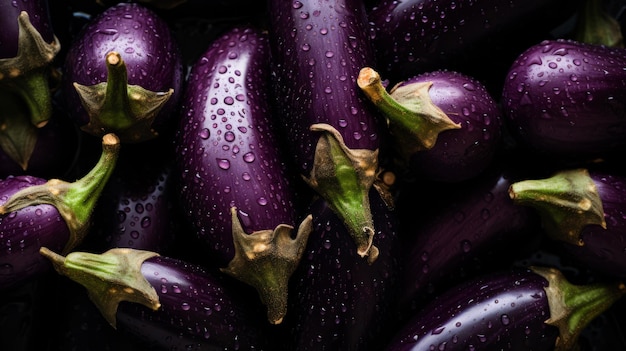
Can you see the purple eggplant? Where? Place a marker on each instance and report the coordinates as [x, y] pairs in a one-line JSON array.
[[416, 36], [564, 98], [234, 186], [318, 49], [339, 301], [166, 302], [479, 227], [27, 48], [583, 211], [525, 309], [35, 212], [447, 126], [137, 209], [124, 74]]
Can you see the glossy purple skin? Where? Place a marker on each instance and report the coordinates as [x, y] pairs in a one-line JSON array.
[[566, 98], [501, 311], [226, 152], [199, 311], [136, 209], [24, 232], [337, 300], [459, 154], [39, 16], [318, 50], [604, 250], [476, 229], [147, 46], [414, 36]]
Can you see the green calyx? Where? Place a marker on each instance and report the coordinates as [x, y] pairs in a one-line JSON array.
[[27, 73], [344, 177], [567, 202], [18, 136], [116, 107], [414, 120], [573, 307], [594, 25], [266, 259], [74, 201], [110, 278]]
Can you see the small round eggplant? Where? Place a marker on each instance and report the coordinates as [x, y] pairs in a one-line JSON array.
[[124, 74], [338, 300], [234, 186], [35, 212], [564, 98], [166, 302], [318, 48], [526, 309], [583, 211], [27, 48], [447, 127]]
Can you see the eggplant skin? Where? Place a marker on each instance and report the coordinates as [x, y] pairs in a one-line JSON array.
[[459, 154], [23, 232], [199, 311], [603, 251], [147, 46], [563, 97], [500, 311]]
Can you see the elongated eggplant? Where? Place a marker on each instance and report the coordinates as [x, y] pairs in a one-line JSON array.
[[564, 98], [235, 188], [35, 212], [416, 36], [339, 301], [318, 49], [166, 302], [582, 210], [124, 74], [526, 309], [477, 228], [447, 126]]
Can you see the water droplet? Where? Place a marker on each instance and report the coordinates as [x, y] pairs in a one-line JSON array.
[[204, 133], [505, 319], [229, 136], [304, 15], [458, 324], [229, 100], [145, 222], [246, 176], [329, 54], [437, 331], [297, 4], [223, 163], [134, 234], [249, 157], [552, 65], [185, 306], [222, 69], [466, 246], [306, 47]]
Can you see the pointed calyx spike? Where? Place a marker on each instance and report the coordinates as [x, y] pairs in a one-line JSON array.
[[26, 74], [110, 278], [573, 307], [18, 136], [266, 259], [74, 201], [116, 107], [413, 118], [567, 202], [344, 177]]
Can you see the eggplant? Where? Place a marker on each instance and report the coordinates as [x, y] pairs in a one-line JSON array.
[[517, 309], [137, 209], [124, 74], [165, 302], [477, 229], [339, 301], [446, 125], [563, 99], [35, 212], [318, 48], [582, 211], [234, 187], [28, 47], [416, 36]]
